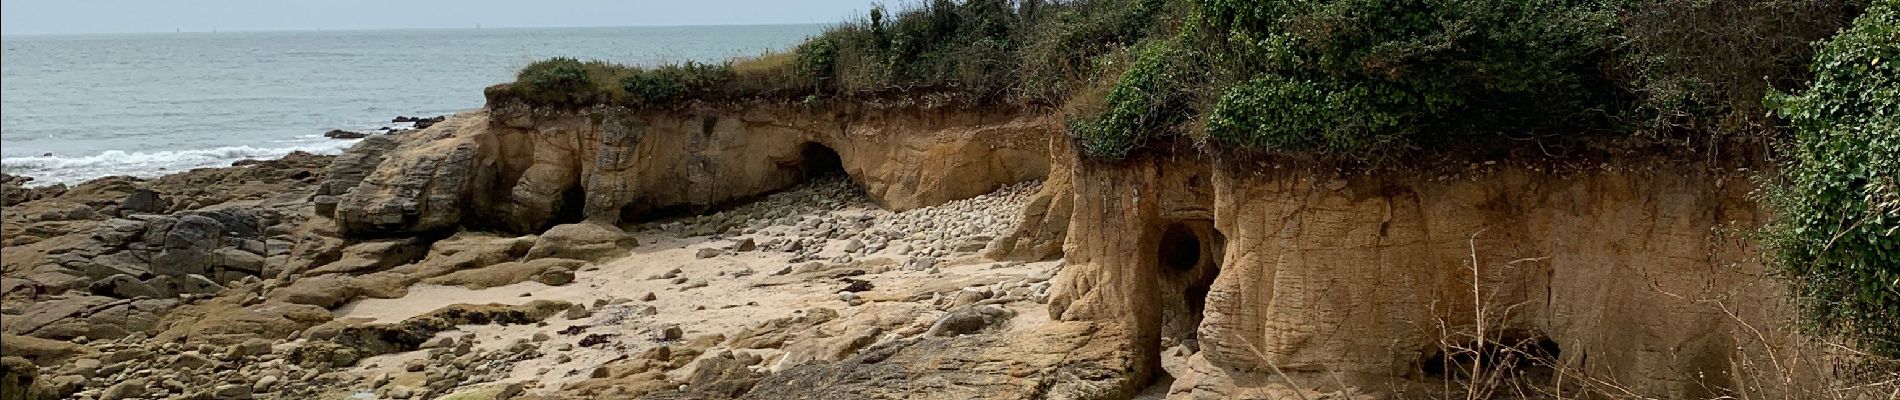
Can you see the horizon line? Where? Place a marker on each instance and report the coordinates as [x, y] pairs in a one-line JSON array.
[[438, 28]]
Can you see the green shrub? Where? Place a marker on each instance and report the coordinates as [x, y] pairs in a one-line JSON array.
[[1837, 237], [1272, 113], [556, 81], [650, 88], [1344, 75], [1149, 101], [817, 58]]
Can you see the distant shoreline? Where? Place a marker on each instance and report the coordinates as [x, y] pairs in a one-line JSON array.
[[13, 35]]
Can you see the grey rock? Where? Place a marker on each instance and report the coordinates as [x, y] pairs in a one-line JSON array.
[[577, 312], [583, 241], [668, 332], [969, 320], [123, 286], [124, 390], [745, 245], [144, 201], [198, 284]]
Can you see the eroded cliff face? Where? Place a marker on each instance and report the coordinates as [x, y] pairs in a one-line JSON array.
[[523, 169], [1638, 277], [1627, 278]]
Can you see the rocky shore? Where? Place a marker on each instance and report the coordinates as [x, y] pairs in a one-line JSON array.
[[233, 283]]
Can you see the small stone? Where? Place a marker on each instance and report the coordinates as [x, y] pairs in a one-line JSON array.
[[708, 252], [668, 332], [541, 337], [231, 392], [577, 312], [438, 342], [400, 392], [124, 390], [649, 297]]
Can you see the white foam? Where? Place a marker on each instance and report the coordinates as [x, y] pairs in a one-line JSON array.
[[47, 170]]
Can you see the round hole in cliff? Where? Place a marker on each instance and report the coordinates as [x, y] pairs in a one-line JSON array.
[[1180, 248], [819, 161]]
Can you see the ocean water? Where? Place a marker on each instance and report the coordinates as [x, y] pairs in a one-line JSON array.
[[76, 107]]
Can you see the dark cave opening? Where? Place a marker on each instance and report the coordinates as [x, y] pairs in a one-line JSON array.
[[817, 161]]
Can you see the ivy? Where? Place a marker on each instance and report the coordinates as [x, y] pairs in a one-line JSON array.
[[1837, 238]]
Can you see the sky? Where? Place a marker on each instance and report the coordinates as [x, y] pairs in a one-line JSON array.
[[125, 16]]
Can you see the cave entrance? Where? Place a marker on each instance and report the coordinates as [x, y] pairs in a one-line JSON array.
[[1188, 256], [817, 161]]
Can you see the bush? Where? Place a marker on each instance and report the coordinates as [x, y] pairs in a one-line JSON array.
[[652, 89], [1271, 113], [1837, 237], [558, 81], [1343, 75], [1150, 100]]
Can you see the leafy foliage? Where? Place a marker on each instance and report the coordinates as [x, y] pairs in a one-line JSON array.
[[1273, 113], [556, 81], [1838, 237], [1354, 76], [1151, 98]]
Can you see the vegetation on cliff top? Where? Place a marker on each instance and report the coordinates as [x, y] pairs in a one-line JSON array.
[[1365, 80]]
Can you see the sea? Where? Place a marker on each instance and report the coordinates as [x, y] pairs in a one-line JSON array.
[[77, 107]]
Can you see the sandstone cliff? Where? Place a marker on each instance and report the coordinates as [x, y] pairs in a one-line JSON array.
[[522, 169], [784, 268]]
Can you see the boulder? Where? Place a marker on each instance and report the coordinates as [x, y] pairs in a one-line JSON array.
[[144, 201], [125, 287], [236, 259], [20, 379], [194, 232], [722, 377], [583, 241], [415, 189], [969, 320]]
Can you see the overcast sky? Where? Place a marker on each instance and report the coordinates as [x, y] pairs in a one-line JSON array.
[[113, 16]]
